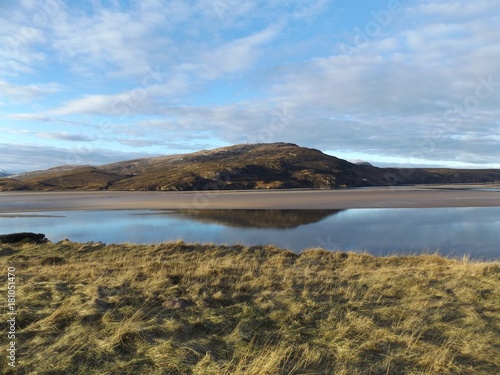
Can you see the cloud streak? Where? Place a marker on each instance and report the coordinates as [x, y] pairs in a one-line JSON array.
[[25, 93], [64, 136]]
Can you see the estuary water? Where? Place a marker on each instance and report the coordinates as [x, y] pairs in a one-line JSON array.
[[451, 232]]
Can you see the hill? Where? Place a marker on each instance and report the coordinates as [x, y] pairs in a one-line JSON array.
[[247, 166]]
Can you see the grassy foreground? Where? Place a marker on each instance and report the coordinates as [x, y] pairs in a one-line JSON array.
[[178, 308]]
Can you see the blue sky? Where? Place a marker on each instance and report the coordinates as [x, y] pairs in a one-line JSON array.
[[403, 83]]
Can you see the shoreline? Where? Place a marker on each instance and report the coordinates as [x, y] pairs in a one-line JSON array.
[[418, 196]]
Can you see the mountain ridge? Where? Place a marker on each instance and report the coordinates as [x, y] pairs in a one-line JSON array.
[[246, 166]]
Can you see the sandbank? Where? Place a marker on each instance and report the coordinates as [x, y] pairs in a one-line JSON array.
[[380, 197]]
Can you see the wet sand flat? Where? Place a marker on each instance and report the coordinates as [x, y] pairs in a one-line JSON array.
[[401, 197]]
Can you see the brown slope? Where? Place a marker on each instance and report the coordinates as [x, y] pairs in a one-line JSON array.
[[78, 178]]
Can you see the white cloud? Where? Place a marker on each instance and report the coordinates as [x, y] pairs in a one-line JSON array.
[[234, 56], [92, 104], [109, 42], [142, 99], [25, 93], [455, 9]]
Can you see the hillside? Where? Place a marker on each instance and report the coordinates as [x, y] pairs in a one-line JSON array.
[[247, 166]]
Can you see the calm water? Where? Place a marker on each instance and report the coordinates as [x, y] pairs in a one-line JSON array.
[[449, 231]]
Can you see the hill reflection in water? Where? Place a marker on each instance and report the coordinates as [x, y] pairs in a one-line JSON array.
[[270, 219]]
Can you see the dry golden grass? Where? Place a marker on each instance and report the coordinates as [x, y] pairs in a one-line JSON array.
[[179, 308]]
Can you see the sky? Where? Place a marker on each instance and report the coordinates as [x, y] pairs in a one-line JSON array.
[[396, 83]]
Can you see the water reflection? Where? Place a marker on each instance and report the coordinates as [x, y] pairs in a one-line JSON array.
[[449, 231], [270, 219]]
